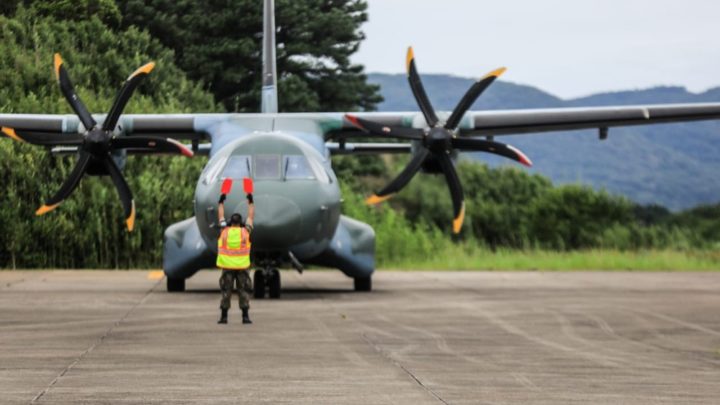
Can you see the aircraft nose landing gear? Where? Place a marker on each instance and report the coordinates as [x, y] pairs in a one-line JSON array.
[[267, 275], [266, 278]]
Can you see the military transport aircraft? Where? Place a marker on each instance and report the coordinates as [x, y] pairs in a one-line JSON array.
[[298, 218]]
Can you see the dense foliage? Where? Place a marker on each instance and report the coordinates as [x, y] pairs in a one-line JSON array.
[[88, 232], [507, 208], [217, 43]]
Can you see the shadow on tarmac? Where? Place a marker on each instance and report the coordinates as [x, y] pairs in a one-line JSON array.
[[297, 294]]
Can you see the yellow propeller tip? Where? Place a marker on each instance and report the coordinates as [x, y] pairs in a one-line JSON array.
[[410, 57], [58, 62], [45, 209], [458, 221], [11, 134], [496, 73], [130, 221], [145, 69], [375, 199]]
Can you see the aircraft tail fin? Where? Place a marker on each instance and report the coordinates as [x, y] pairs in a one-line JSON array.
[[269, 103]]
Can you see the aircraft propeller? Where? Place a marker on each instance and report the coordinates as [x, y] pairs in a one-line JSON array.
[[438, 140], [97, 143]]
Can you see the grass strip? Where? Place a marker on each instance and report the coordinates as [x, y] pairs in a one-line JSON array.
[[608, 260]]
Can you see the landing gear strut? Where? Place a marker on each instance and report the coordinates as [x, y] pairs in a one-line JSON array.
[[266, 278], [259, 284]]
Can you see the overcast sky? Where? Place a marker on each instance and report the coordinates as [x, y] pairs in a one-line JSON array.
[[568, 48]]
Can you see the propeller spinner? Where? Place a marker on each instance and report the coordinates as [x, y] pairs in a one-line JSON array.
[[438, 141], [97, 143]]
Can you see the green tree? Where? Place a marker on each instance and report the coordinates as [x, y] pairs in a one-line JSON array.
[[497, 202], [77, 10], [219, 43], [87, 230], [703, 220], [8, 7], [69, 10], [575, 217]]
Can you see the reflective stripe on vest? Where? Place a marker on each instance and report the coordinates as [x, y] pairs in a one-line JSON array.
[[234, 249]]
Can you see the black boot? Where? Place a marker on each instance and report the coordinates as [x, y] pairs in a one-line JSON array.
[[246, 316], [223, 316]]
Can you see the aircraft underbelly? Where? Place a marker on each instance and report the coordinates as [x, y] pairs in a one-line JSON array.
[[185, 251], [351, 250]]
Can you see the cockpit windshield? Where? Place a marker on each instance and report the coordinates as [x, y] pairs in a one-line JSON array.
[[297, 168], [267, 167], [237, 167]]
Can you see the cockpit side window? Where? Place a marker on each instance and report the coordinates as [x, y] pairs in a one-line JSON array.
[[319, 171], [297, 168], [267, 167], [237, 167], [211, 171]]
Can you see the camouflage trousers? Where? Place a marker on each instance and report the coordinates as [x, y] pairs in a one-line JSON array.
[[232, 279]]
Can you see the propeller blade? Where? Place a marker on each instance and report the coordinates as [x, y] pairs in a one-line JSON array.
[[419, 91], [470, 96], [43, 138], [68, 90], [69, 185], [152, 144], [402, 179], [386, 131], [123, 190], [481, 145], [456, 191], [123, 96]]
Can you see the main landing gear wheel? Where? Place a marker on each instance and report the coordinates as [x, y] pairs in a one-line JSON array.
[[363, 283], [175, 284], [273, 283], [259, 284]]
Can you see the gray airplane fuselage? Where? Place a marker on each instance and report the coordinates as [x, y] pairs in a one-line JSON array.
[[297, 199], [297, 196]]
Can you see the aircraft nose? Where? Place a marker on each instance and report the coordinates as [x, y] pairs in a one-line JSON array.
[[277, 222]]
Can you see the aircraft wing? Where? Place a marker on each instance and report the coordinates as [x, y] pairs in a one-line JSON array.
[[180, 126], [563, 119], [337, 128], [367, 148], [62, 133], [513, 122]]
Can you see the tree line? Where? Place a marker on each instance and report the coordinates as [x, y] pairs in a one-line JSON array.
[[508, 208]]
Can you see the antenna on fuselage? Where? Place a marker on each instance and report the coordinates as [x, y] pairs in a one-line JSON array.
[[269, 103]]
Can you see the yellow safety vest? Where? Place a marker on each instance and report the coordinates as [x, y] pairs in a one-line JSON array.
[[234, 249]]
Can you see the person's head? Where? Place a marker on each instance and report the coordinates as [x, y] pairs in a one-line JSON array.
[[236, 220]]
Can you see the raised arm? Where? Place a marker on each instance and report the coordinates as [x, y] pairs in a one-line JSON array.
[[221, 210], [251, 210]]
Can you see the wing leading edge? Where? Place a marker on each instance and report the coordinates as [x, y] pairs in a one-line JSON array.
[[565, 119], [514, 122]]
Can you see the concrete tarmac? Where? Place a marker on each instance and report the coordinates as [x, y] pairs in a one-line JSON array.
[[419, 338]]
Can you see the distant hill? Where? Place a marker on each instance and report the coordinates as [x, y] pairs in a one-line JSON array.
[[675, 165]]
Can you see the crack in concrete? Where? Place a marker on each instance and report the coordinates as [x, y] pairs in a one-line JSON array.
[[97, 343], [389, 358]]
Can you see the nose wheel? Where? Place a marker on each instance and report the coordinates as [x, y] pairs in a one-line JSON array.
[[266, 279]]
